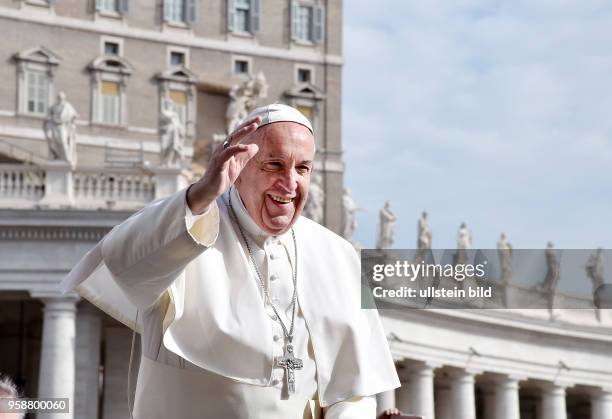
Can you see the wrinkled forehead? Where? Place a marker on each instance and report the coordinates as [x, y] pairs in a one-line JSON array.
[[285, 136]]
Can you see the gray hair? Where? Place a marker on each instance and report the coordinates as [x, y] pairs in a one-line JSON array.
[[7, 387], [9, 390]]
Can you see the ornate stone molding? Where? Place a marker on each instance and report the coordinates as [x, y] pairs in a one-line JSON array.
[[52, 233]]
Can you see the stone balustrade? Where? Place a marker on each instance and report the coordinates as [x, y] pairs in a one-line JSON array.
[[21, 185], [116, 188], [58, 185]]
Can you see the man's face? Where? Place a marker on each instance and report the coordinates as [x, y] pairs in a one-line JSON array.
[[274, 184]]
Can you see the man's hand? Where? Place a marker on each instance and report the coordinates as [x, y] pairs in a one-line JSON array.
[[388, 413], [224, 168]]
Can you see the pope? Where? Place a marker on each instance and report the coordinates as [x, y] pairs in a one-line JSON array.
[[245, 308]]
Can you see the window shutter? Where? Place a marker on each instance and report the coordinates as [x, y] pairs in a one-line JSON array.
[[231, 15], [318, 24], [166, 6], [255, 15], [191, 13], [293, 19], [124, 7], [98, 5]]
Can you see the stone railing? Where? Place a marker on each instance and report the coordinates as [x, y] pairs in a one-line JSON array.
[[113, 189], [58, 185], [21, 185]]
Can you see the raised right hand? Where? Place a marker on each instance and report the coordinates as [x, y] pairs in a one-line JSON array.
[[224, 168]]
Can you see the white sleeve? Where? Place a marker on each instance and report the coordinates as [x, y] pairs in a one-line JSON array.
[[149, 250], [355, 408]]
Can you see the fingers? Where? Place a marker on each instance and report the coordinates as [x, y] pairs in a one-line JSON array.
[[244, 130], [241, 152]]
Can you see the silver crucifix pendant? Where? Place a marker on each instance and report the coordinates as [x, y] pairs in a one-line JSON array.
[[290, 363]]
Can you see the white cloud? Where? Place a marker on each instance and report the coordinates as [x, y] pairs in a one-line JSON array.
[[492, 112]]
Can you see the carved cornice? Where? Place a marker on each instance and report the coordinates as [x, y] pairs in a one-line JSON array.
[[52, 233]]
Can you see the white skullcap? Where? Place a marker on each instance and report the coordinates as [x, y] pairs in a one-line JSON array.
[[277, 112]]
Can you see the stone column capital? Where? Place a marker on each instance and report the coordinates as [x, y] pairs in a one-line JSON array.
[[555, 387], [57, 299], [601, 392], [462, 374], [508, 380]]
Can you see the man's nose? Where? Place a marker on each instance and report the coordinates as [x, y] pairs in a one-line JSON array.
[[289, 180]]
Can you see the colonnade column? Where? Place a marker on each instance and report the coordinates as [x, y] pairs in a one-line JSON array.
[[417, 391], [553, 401], [56, 375], [87, 362], [507, 398], [601, 403], [385, 401], [462, 394]]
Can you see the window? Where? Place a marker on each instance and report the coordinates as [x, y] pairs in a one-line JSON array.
[[304, 23], [109, 93], [304, 75], [307, 99], [111, 48], [178, 98], [113, 8], [109, 75], [37, 92], [306, 111], [241, 67], [180, 11], [35, 70], [175, 10], [177, 89], [243, 16], [307, 21], [107, 5], [177, 58]]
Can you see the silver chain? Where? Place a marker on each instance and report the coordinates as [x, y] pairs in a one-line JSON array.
[[288, 333]]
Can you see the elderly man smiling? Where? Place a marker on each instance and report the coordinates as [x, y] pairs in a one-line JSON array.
[[248, 310]]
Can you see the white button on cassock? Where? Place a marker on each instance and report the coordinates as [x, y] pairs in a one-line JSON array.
[[273, 277]]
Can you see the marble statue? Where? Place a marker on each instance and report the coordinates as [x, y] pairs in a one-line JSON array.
[[243, 99], [349, 219], [552, 274], [464, 237], [594, 268], [464, 243], [424, 238], [172, 136], [504, 251], [314, 208], [60, 130], [386, 227]]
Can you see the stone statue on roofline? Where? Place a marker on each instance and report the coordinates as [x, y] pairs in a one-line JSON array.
[[60, 131], [243, 99], [171, 135]]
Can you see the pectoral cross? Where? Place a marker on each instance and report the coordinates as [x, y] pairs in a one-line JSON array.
[[290, 363]]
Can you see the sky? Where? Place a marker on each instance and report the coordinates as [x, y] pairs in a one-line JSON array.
[[493, 113]]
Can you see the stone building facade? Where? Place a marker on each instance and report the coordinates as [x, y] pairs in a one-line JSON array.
[[117, 62]]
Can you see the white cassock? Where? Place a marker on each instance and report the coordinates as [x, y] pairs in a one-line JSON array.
[[209, 338]]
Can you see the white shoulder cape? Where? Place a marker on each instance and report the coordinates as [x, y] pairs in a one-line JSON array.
[[217, 321]]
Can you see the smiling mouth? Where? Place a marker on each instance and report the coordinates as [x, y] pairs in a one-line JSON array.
[[280, 199]]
